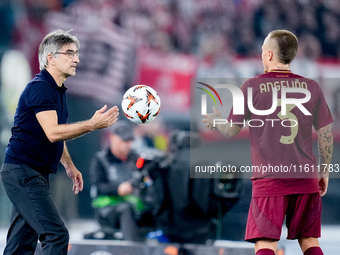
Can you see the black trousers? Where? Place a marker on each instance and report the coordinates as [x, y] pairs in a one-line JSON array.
[[34, 215]]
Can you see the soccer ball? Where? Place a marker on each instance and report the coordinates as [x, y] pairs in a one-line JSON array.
[[141, 104]]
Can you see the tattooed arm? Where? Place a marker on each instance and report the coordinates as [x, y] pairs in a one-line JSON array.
[[325, 141]]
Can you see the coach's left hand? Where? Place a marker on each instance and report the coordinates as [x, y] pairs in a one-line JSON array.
[[77, 179]]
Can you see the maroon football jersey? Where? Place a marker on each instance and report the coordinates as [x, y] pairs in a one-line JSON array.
[[283, 161]]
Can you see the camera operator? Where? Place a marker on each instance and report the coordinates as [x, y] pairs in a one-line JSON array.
[[115, 204]]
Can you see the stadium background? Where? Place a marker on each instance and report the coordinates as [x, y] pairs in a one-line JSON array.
[[166, 44]]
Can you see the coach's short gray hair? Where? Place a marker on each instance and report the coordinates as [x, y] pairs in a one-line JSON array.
[[52, 43]]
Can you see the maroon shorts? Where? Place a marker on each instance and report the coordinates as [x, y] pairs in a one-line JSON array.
[[266, 216]]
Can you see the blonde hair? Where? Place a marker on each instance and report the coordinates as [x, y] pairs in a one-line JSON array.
[[287, 45]]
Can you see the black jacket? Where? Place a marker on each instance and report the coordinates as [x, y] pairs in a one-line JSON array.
[[107, 172]]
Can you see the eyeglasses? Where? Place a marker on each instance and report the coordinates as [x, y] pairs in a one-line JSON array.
[[69, 53]]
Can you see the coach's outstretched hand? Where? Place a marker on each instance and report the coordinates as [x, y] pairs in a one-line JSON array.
[[103, 118]]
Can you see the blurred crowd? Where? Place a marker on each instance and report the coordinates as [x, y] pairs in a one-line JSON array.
[[198, 27], [236, 26]]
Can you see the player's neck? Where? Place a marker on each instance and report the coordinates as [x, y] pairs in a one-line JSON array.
[[279, 67]]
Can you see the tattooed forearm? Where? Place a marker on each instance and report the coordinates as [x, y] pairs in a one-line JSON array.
[[325, 140]]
